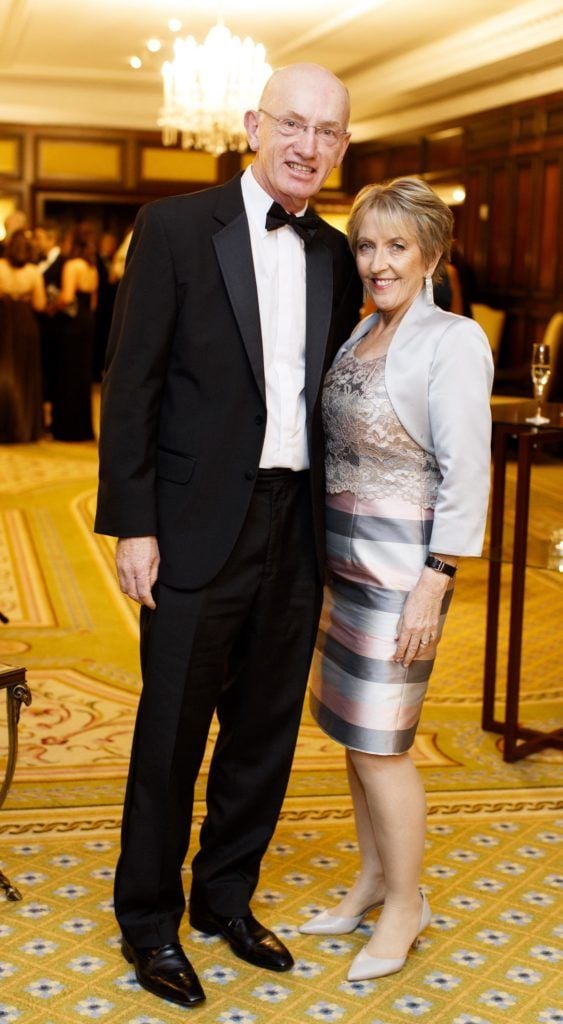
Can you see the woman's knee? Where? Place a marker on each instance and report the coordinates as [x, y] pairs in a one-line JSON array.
[[375, 764]]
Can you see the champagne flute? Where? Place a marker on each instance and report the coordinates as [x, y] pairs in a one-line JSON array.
[[541, 372]]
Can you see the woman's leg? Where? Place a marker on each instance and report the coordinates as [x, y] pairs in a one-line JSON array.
[[369, 886], [396, 803]]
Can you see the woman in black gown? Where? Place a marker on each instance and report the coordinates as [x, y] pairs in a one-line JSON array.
[[72, 408], [22, 296]]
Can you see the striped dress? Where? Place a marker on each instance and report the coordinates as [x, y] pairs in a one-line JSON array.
[[381, 493]]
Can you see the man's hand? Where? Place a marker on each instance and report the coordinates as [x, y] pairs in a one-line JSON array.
[[137, 560]]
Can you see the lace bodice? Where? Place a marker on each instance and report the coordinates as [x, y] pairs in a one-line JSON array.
[[368, 451]]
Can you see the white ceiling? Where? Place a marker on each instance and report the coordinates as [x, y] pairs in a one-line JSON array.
[[408, 64]]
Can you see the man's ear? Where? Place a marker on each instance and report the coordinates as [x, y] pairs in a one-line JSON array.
[[252, 125], [343, 146]]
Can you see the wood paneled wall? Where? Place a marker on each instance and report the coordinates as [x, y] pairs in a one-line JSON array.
[[510, 227]]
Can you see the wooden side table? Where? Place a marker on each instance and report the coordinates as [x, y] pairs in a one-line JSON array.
[[509, 425], [12, 680]]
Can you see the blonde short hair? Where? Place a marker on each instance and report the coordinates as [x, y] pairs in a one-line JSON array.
[[410, 201]]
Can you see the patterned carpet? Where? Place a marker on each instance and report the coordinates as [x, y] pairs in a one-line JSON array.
[[492, 953], [493, 865]]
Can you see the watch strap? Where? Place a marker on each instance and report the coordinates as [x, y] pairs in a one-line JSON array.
[[439, 566]]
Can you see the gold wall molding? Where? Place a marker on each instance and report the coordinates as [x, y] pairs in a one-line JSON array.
[[86, 160]]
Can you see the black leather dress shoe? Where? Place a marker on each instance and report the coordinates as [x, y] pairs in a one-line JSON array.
[[166, 972], [246, 937]]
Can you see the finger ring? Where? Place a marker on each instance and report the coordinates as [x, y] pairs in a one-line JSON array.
[[423, 643]]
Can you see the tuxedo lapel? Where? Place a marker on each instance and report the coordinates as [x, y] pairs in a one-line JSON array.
[[234, 253], [319, 314]]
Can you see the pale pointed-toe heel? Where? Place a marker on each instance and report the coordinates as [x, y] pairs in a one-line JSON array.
[[326, 923], [425, 918], [365, 966]]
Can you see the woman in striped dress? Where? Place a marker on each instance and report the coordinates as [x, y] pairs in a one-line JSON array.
[[407, 422]]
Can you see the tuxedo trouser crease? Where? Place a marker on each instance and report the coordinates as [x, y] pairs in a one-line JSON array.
[[240, 646]]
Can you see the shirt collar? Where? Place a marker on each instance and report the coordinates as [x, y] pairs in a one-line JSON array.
[[257, 201], [49, 259]]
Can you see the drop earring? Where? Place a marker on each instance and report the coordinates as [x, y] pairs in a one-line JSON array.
[[429, 290]]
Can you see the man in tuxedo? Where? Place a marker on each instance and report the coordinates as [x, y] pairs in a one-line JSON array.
[[50, 260], [232, 305]]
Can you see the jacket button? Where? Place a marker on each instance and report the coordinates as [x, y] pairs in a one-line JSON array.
[[249, 475], [258, 420]]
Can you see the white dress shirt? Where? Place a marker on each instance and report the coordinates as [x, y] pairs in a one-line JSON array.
[[279, 268], [49, 259]]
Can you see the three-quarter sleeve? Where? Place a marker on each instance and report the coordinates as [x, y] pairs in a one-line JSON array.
[[459, 388]]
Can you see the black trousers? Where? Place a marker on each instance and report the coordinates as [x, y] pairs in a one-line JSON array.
[[242, 645]]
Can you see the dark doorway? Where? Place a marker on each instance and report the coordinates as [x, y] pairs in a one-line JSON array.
[[114, 214]]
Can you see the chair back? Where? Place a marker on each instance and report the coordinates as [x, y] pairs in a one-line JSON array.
[[492, 322]]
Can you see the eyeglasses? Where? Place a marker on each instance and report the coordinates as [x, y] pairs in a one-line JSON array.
[[289, 127]]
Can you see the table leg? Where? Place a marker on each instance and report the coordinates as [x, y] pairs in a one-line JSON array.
[[500, 447], [17, 692], [526, 446], [519, 740], [12, 893]]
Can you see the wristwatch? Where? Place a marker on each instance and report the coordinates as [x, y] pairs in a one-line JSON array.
[[439, 566]]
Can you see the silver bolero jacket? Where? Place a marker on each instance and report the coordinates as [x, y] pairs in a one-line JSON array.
[[439, 375]]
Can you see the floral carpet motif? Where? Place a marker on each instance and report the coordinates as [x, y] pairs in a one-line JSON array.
[[492, 952]]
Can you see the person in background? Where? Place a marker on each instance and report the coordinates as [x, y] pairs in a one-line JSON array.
[[74, 346], [117, 267], [50, 261], [233, 302], [467, 279], [50, 258], [107, 288], [408, 424], [447, 291], [15, 221], [19, 276], [23, 293]]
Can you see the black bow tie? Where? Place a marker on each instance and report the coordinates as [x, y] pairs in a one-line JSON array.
[[304, 226]]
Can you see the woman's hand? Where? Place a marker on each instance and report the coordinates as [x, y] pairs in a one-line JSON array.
[[418, 625]]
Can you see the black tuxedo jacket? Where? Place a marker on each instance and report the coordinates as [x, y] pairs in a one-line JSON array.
[[54, 272], [183, 399]]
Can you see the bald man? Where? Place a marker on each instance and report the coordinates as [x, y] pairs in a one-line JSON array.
[[232, 305]]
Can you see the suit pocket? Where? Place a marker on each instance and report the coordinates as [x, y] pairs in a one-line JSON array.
[[174, 467]]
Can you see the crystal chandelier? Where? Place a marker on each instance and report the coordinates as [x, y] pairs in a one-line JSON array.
[[208, 88]]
